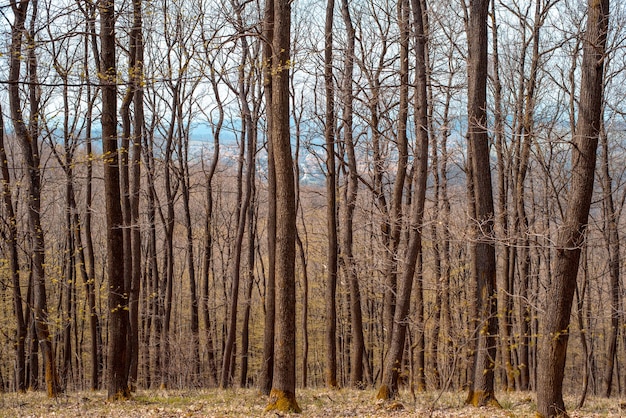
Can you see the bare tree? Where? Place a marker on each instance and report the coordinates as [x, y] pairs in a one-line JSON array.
[[29, 142], [560, 294], [331, 199], [117, 381], [481, 390], [11, 239], [283, 393], [393, 358]]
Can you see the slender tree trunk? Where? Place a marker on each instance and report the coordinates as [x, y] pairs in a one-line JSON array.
[[208, 234], [267, 366], [252, 215], [89, 278], [248, 143], [357, 341], [305, 311], [506, 253], [245, 327], [137, 58], [396, 222], [393, 360], [11, 239], [613, 247], [331, 205], [580, 316], [28, 140], [553, 346]]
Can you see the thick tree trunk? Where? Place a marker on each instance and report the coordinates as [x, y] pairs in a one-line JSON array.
[[553, 346], [283, 393], [484, 261], [118, 300]]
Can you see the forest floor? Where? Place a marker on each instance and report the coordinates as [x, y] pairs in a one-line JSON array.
[[322, 403]]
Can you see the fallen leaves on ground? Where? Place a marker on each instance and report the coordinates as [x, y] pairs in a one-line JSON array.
[[316, 403]]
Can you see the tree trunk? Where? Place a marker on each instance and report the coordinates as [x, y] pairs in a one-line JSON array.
[[357, 341], [267, 365], [553, 346], [248, 144], [96, 351], [484, 261], [136, 53], [283, 393], [331, 205], [11, 239], [118, 301], [28, 140], [208, 234], [611, 235], [393, 360], [396, 218]]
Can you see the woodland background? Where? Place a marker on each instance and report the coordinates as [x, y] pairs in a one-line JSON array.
[[194, 191]]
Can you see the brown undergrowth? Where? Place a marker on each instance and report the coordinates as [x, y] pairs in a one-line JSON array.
[[319, 403]]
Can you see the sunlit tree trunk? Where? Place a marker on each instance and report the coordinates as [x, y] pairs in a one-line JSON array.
[[89, 278]]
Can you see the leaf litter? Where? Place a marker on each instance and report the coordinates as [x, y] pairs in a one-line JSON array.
[[316, 403]]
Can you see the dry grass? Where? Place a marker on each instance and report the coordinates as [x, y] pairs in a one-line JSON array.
[[314, 402]]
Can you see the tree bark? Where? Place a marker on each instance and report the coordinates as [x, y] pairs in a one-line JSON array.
[[118, 300], [283, 393], [481, 390], [553, 346], [331, 205], [267, 366], [137, 79]]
